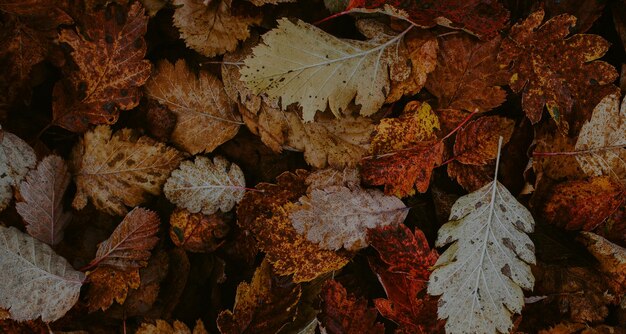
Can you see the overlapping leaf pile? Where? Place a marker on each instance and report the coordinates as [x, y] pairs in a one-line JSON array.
[[293, 166]]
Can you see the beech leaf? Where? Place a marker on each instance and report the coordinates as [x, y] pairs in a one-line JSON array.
[[16, 158], [206, 186], [42, 208], [36, 282]]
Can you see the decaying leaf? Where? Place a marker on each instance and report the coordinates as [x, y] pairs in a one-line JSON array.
[[302, 64], [557, 167], [612, 260], [467, 76], [266, 216], [210, 27], [578, 328], [471, 177], [336, 216], [206, 185], [602, 140], [480, 18], [16, 158], [346, 314], [36, 282], [488, 259], [108, 284], [265, 2], [196, 232], [108, 53], [552, 70], [582, 204], [130, 244], [264, 305], [163, 327], [477, 142], [205, 117], [42, 208]]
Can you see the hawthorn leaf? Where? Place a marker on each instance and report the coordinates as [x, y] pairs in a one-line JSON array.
[[42, 207], [299, 62], [342, 313], [488, 259], [337, 216], [108, 54], [477, 142], [210, 27], [612, 260], [602, 140], [471, 177], [196, 232], [206, 186], [119, 170], [205, 117], [177, 327], [36, 282], [16, 159], [108, 284]]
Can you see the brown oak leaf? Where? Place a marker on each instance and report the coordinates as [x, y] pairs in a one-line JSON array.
[[108, 53], [196, 232]]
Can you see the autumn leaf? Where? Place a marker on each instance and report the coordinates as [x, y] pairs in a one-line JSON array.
[[301, 63], [119, 170], [264, 305], [210, 27], [578, 328], [557, 167], [206, 185], [471, 177], [42, 207], [108, 284], [581, 204], [205, 117], [489, 256], [549, 69], [480, 18], [467, 76], [612, 260], [477, 142], [265, 2], [177, 327], [265, 215], [602, 140], [36, 282], [196, 232], [108, 53], [130, 244], [16, 158], [342, 313]]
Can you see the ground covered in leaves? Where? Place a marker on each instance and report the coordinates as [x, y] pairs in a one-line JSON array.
[[309, 166]]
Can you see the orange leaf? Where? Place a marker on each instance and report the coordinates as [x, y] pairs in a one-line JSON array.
[[477, 142], [197, 232], [107, 285]]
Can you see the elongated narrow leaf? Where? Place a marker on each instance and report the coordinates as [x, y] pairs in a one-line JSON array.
[[34, 280], [130, 243], [42, 208]]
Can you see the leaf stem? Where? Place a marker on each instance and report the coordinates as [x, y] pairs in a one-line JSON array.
[[460, 124], [334, 16], [495, 176]]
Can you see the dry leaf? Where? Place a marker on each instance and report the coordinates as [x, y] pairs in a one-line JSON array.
[[109, 284], [265, 2], [16, 158], [162, 327], [477, 142], [602, 140], [196, 232], [337, 216], [578, 328], [612, 260], [130, 244], [206, 186], [302, 64], [205, 116], [209, 27], [471, 177], [119, 170], [42, 207], [264, 305], [109, 54], [36, 282]]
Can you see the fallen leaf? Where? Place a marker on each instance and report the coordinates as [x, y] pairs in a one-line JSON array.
[[42, 205], [153, 6], [581, 204], [578, 328], [556, 167], [297, 60], [119, 170], [552, 70], [108, 284], [471, 177], [477, 17], [612, 260], [108, 53], [206, 185], [162, 327], [272, 2], [467, 76], [196, 232], [586, 12], [130, 244], [602, 140], [264, 305], [342, 313], [205, 117], [16, 158], [490, 256], [404, 171], [477, 142], [329, 177], [265, 215], [210, 27], [36, 281]]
